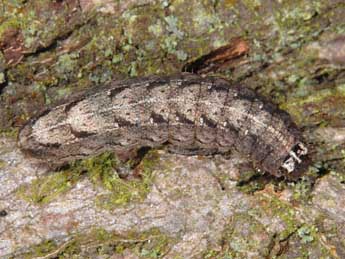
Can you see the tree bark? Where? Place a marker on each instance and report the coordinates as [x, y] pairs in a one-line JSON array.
[[192, 207]]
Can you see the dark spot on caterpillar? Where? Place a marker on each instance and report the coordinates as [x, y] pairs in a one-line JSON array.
[[188, 113], [181, 118], [122, 122], [208, 122], [157, 118], [82, 134], [51, 145]]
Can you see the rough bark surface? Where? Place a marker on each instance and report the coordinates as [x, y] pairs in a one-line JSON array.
[[182, 206]]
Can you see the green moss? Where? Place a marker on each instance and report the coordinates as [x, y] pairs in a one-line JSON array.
[[2, 78], [100, 170], [117, 58], [251, 187], [9, 133], [302, 190], [318, 97], [10, 24], [41, 249], [317, 106], [285, 212], [210, 254], [307, 233], [2, 163], [98, 242], [45, 189], [149, 244], [243, 235], [253, 5]]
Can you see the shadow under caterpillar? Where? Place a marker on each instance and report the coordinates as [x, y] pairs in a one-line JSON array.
[[188, 113]]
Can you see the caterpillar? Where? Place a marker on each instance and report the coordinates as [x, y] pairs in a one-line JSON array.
[[189, 114]]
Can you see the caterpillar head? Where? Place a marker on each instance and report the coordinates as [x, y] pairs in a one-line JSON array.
[[296, 161]]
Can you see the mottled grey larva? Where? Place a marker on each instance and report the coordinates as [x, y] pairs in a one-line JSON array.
[[188, 113]]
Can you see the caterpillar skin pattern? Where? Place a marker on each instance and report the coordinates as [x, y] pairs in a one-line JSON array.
[[188, 113]]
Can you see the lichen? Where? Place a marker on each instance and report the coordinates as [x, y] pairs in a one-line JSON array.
[[291, 21], [306, 233], [244, 235], [175, 35], [66, 63]]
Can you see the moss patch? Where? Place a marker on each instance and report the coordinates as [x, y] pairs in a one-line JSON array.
[[9, 133], [284, 212], [98, 242], [249, 234], [321, 106], [244, 235], [251, 182], [2, 163], [100, 170], [45, 189]]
